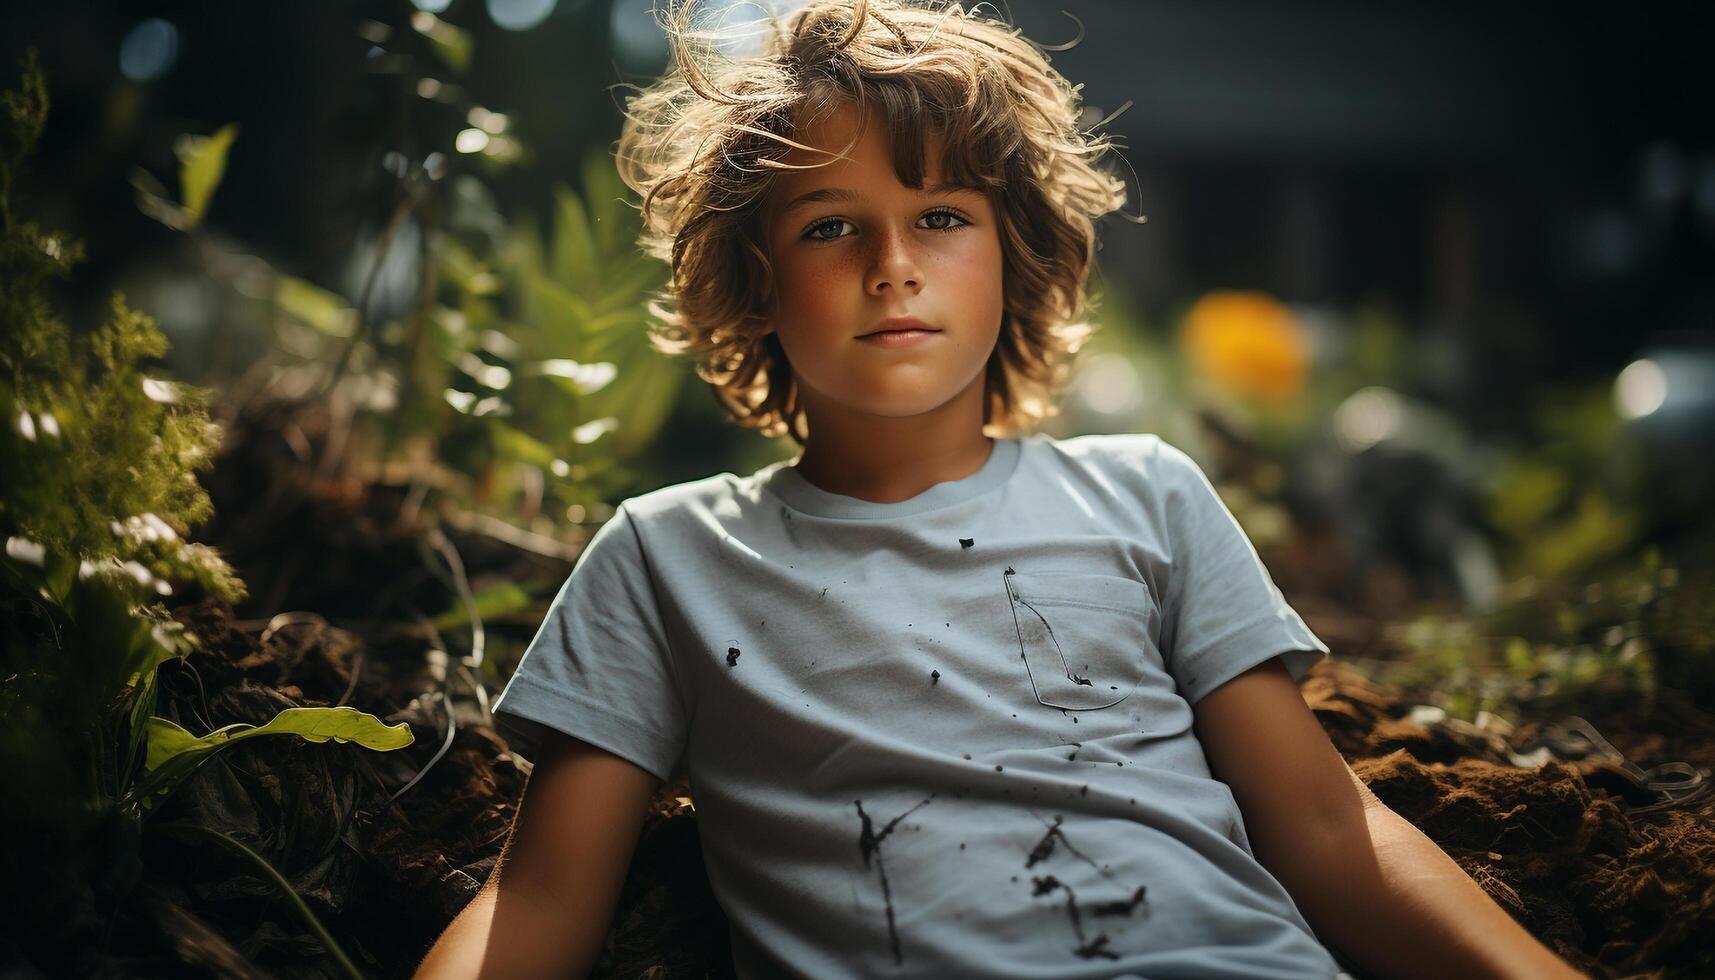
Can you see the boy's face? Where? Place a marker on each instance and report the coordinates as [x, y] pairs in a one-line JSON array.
[[871, 249]]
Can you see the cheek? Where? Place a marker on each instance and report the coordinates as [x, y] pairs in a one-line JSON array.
[[977, 274], [809, 287]]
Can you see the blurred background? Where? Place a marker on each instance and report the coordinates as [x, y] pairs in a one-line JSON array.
[[1429, 285], [1427, 290]]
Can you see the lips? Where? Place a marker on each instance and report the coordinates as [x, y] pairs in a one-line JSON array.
[[900, 324]]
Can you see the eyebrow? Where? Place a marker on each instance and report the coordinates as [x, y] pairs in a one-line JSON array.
[[841, 194]]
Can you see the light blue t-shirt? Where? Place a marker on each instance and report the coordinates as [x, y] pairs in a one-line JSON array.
[[945, 737]]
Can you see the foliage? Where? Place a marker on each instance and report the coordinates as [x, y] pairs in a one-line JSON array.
[[1558, 494], [507, 370], [537, 351], [202, 163], [1567, 502], [1582, 610], [101, 489], [1613, 644], [174, 754]]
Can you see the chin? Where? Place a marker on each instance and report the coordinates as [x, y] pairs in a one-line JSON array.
[[905, 406]]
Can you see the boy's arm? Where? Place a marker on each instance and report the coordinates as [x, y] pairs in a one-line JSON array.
[[547, 905], [1368, 882]]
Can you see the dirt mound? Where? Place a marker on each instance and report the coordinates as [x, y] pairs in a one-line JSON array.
[[1615, 892]]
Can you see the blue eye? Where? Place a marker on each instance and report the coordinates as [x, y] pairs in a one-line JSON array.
[[956, 216], [810, 233], [816, 231]]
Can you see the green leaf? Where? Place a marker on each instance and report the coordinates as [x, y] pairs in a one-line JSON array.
[[492, 602], [574, 246], [511, 443], [562, 318], [202, 162], [174, 754], [465, 269], [625, 288], [576, 378], [591, 431], [451, 44], [651, 388], [324, 311], [613, 221], [1520, 660]]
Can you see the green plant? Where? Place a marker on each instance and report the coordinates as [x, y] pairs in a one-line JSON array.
[[100, 493], [1614, 643], [1567, 503], [538, 351], [509, 372]]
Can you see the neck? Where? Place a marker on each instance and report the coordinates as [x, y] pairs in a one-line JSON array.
[[886, 460]]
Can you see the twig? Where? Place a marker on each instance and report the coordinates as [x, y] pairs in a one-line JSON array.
[[452, 729], [273, 875]]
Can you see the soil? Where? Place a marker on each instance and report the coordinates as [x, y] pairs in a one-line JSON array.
[[1615, 893]]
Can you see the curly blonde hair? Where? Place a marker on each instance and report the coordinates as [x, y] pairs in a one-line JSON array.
[[702, 144]]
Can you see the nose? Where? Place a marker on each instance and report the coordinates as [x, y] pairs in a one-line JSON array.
[[894, 265]]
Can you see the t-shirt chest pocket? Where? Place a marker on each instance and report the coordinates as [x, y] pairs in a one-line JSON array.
[[1084, 639]]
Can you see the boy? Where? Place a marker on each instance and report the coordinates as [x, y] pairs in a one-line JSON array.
[[954, 701]]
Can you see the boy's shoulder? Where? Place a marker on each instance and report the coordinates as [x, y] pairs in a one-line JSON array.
[[714, 493], [1144, 452], [1142, 461]]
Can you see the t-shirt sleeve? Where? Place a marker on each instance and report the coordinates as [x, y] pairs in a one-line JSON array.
[[1221, 613], [600, 667]]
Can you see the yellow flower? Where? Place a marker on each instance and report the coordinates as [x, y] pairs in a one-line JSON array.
[[1246, 342]]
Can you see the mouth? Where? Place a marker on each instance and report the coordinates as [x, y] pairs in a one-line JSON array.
[[900, 325]]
